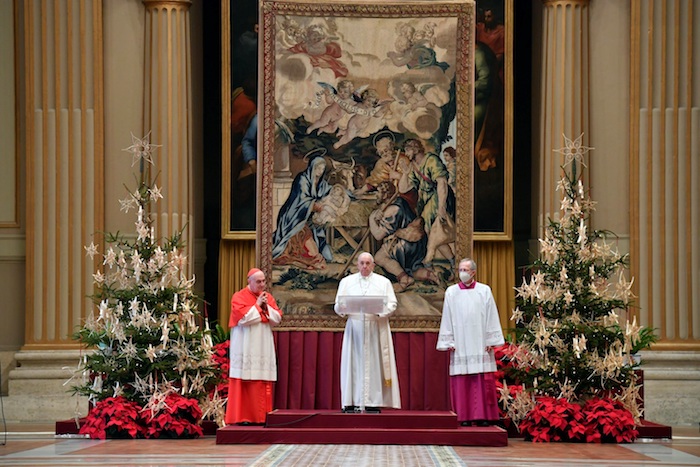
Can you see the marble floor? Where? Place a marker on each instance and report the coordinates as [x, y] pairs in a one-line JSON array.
[[36, 445]]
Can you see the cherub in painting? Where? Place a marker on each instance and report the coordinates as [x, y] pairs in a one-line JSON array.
[[369, 107], [338, 103], [414, 49]]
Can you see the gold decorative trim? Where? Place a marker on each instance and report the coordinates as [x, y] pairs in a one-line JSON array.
[[336, 323]]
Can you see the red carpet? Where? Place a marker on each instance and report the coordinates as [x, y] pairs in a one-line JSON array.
[[389, 427]]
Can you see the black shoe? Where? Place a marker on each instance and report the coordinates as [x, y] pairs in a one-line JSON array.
[[483, 423], [244, 423], [373, 410], [349, 409], [466, 423]]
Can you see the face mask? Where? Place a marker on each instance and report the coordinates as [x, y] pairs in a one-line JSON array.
[[464, 276]]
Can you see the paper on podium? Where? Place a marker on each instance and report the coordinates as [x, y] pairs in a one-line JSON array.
[[362, 304]]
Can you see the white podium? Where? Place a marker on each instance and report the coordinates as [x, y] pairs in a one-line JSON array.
[[362, 304]]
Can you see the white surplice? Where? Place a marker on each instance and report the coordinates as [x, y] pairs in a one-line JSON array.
[[470, 324], [368, 376], [252, 350]]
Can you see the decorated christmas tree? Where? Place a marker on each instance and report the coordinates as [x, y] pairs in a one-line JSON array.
[[572, 358], [150, 369]]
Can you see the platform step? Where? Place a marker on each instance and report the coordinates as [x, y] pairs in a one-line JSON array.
[[391, 426], [388, 418], [461, 436]]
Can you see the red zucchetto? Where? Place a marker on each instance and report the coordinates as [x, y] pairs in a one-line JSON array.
[[253, 271]]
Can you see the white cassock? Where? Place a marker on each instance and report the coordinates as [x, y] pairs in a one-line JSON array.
[[368, 376], [470, 324]]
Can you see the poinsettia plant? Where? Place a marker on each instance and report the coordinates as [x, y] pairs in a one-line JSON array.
[[608, 421], [598, 420], [220, 357], [553, 420], [114, 417], [178, 417]]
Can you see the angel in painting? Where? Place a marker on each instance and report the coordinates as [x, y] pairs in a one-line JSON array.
[[338, 103], [370, 106]]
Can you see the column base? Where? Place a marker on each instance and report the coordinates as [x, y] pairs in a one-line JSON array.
[[39, 390]]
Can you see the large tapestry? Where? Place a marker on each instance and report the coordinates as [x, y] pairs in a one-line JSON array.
[[365, 144]]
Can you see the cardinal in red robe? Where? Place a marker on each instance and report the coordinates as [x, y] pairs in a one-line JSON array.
[[253, 368]]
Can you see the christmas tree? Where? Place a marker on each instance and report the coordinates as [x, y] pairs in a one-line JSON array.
[[150, 370], [573, 337]]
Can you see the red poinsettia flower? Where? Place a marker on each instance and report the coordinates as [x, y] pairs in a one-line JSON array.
[[179, 418], [221, 357], [607, 420], [114, 417], [598, 420], [553, 420]]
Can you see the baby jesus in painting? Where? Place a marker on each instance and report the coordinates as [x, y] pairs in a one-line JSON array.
[[332, 206]]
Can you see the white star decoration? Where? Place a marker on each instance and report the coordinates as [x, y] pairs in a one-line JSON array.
[[155, 193], [573, 150], [91, 250], [141, 149], [127, 203]]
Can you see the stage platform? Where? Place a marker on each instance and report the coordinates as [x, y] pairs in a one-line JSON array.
[[389, 427]]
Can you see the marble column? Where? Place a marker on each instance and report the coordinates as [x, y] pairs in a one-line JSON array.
[[167, 111], [60, 68], [564, 96]]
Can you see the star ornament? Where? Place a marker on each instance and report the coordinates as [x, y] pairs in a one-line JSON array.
[[91, 250], [141, 149], [573, 150]]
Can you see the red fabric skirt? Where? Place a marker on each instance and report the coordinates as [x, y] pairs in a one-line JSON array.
[[248, 401], [474, 397]]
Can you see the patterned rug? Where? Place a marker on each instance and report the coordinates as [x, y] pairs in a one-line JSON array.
[[357, 455]]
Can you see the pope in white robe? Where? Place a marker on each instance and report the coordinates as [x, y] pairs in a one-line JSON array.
[[368, 376], [470, 329]]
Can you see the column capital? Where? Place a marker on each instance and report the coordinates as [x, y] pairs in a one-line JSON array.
[[152, 4], [554, 3]]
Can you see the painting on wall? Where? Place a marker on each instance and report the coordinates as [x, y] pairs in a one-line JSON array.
[[239, 116], [365, 143], [493, 120]]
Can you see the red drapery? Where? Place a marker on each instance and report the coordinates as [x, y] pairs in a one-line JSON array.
[[309, 368]]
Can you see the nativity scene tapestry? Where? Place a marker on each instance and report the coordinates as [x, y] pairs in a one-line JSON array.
[[365, 144]]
